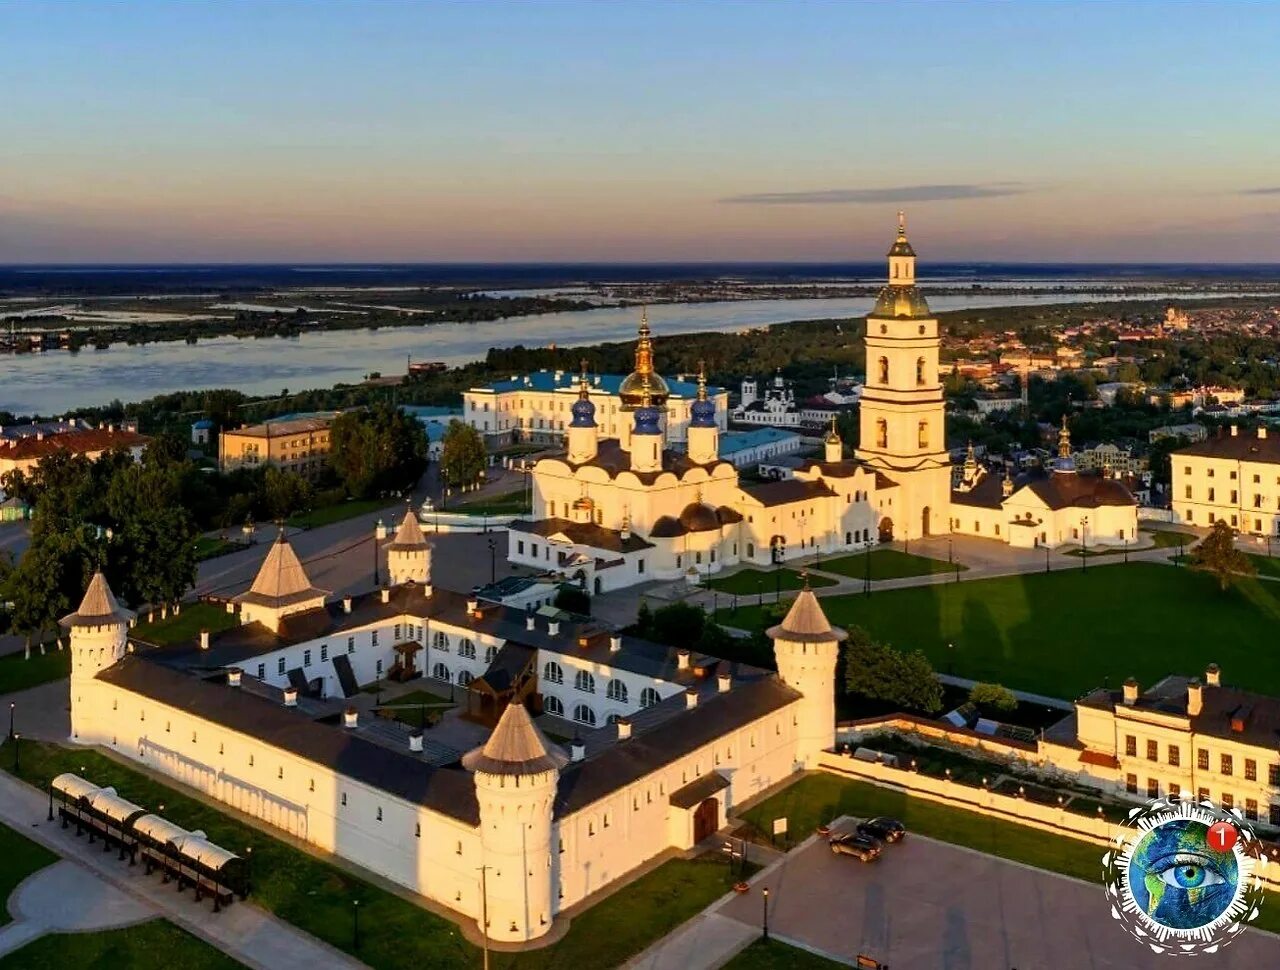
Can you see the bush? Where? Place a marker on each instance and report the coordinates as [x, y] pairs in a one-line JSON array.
[[993, 697], [574, 599]]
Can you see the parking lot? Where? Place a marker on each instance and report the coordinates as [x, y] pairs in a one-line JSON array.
[[928, 905]]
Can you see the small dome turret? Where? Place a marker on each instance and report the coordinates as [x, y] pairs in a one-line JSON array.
[[703, 412]]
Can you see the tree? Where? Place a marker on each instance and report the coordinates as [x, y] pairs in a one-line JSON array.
[[993, 697], [574, 599], [377, 450], [1217, 554], [463, 457], [879, 672], [284, 493]]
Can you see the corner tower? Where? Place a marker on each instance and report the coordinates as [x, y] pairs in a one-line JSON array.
[[516, 773], [903, 414], [280, 589], [408, 555], [806, 647], [99, 632]]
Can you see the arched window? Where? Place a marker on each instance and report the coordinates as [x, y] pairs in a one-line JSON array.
[[489, 653], [584, 715], [649, 697], [617, 691], [584, 681], [919, 372], [552, 705], [884, 370], [613, 719], [464, 678], [922, 434], [552, 673], [467, 648], [751, 550], [440, 672], [882, 433], [440, 641]]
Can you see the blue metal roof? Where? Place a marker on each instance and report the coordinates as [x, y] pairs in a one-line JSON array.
[[545, 380], [736, 441], [434, 419], [202, 424]]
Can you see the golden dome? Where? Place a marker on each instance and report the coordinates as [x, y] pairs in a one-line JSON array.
[[644, 386]]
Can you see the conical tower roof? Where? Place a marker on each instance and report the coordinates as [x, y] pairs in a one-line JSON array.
[[806, 622], [409, 535], [281, 580], [99, 606], [516, 747]]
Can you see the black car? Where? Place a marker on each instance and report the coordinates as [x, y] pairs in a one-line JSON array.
[[882, 829], [858, 846]]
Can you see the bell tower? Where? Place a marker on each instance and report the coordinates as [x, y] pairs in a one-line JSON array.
[[903, 414]]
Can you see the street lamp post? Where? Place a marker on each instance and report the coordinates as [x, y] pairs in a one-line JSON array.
[[764, 923], [377, 529], [493, 561], [355, 924], [951, 659], [1084, 543], [12, 705], [50, 800], [1126, 551], [248, 870], [866, 583], [760, 593], [17, 744]]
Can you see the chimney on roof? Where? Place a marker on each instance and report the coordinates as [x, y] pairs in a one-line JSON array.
[[473, 604], [690, 699], [1213, 675], [291, 696], [415, 742], [624, 728], [233, 676], [204, 639], [426, 590], [577, 750], [1130, 692], [682, 660], [231, 607], [386, 594], [529, 621], [1195, 698], [724, 682], [553, 628], [615, 643], [1262, 433], [350, 718], [1235, 430], [346, 604]]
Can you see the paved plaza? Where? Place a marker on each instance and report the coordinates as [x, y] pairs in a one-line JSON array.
[[928, 905]]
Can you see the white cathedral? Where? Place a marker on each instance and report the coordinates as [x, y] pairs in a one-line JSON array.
[[260, 716]]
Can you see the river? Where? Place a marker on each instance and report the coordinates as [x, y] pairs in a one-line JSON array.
[[53, 382]]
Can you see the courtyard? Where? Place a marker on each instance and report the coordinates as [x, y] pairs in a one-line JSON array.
[[927, 904], [1066, 632]]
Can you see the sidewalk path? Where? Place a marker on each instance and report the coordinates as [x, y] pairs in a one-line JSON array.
[[242, 930]]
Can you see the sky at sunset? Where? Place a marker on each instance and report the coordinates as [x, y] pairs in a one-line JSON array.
[[380, 131]]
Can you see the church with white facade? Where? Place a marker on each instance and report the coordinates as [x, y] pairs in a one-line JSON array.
[[263, 716]]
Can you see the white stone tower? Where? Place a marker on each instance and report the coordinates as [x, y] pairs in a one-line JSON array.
[[583, 432], [646, 438], [408, 555], [516, 773], [903, 414], [806, 647], [280, 589], [833, 445], [704, 434], [99, 632], [748, 392]]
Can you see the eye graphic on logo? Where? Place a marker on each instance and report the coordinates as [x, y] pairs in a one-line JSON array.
[[1171, 888]]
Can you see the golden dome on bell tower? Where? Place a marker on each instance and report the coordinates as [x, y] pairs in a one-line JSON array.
[[644, 387]]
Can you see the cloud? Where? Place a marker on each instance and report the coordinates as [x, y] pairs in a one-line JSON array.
[[1273, 190], [901, 193]]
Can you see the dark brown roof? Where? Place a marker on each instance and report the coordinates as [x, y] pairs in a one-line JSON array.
[[90, 441], [786, 491], [667, 527], [613, 459], [582, 533], [698, 791], [697, 517], [1058, 490], [1244, 446], [449, 791]]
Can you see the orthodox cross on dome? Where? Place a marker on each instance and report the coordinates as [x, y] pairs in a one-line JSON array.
[[584, 387], [1064, 440], [702, 380], [902, 224], [833, 435]]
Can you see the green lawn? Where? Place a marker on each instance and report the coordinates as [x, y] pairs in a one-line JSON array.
[[394, 933], [210, 547], [21, 857], [887, 564], [1168, 538], [1062, 633], [340, 512], [1266, 565], [751, 581], [147, 946], [412, 715], [19, 674], [186, 625], [505, 503], [779, 956]]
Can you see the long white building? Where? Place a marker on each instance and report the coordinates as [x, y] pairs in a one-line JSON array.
[[257, 716]]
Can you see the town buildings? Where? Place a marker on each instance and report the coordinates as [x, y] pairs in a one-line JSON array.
[[262, 717], [535, 407], [1232, 477], [295, 444], [24, 446]]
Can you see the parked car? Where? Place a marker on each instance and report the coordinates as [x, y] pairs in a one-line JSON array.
[[858, 846], [882, 829]]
